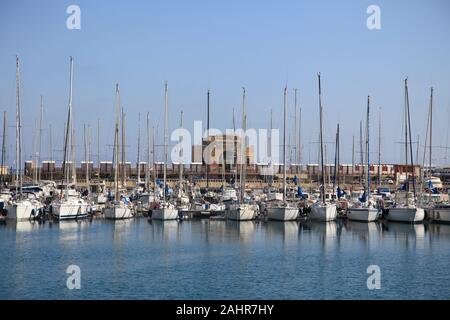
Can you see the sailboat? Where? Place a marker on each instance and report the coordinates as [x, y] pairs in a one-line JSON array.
[[366, 212], [283, 211], [438, 212], [69, 205], [407, 211], [20, 208], [322, 210], [242, 211], [166, 210], [119, 207]]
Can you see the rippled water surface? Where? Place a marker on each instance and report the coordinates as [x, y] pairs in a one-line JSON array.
[[137, 259]]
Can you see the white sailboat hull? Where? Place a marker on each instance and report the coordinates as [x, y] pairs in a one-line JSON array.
[[22, 210], [70, 210], [411, 215], [165, 214], [440, 214], [323, 212], [362, 214], [282, 213], [117, 212], [242, 212]]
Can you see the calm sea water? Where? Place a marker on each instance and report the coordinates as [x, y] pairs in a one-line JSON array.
[[137, 259]]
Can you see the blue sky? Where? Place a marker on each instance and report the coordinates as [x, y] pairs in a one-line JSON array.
[[224, 45]]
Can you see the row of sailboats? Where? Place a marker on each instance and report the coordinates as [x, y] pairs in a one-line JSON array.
[[70, 204]]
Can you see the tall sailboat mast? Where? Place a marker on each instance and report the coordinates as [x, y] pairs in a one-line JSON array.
[[147, 168], [181, 164], [139, 151], [410, 144], [295, 127], [207, 136], [68, 133], [322, 188], [379, 150], [367, 148], [116, 147], [41, 114], [243, 147], [18, 133], [166, 137], [123, 172], [284, 143], [2, 176], [431, 130]]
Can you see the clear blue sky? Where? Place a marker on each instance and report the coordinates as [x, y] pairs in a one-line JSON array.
[[224, 45]]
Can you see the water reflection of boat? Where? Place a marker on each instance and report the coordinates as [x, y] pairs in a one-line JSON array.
[[439, 230], [363, 227], [242, 229], [166, 229], [364, 231], [405, 229], [287, 230], [20, 226], [71, 229]]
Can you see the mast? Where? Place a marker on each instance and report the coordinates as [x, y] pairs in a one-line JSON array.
[[368, 150], [379, 151], [322, 189], [51, 152], [300, 136], [235, 148], [166, 136], [139, 150], [86, 155], [406, 139], [2, 176], [361, 153], [67, 135], [207, 137], [116, 147], [40, 139], [284, 144], [181, 157], [74, 163], [98, 147], [295, 127], [431, 131], [147, 169], [410, 143], [34, 153], [353, 159], [123, 151], [18, 133], [243, 145]]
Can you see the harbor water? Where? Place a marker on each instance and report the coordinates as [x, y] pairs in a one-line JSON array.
[[207, 259]]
